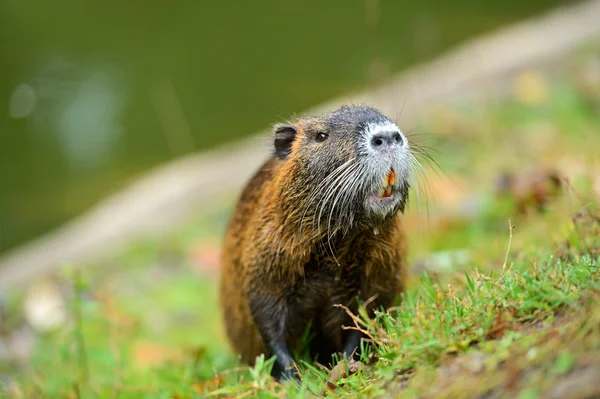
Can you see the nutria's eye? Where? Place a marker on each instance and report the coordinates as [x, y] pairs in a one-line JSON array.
[[320, 137]]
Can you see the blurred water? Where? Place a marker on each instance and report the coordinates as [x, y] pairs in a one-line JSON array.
[[93, 93]]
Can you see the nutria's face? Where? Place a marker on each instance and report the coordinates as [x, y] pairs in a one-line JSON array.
[[354, 162]]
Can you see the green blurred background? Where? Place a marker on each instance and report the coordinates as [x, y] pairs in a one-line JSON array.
[[92, 93]]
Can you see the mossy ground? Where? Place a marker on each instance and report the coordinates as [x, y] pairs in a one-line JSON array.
[[492, 310]]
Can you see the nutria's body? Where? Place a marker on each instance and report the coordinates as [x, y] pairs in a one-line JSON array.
[[315, 227]]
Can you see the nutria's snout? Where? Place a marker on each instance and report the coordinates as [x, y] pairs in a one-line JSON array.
[[387, 141], [387, 157]]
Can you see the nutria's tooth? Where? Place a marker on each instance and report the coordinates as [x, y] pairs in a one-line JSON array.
[[381, 192], [392, 177], [388, 192]]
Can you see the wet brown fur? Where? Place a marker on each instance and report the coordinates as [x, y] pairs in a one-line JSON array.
[[266, 255]]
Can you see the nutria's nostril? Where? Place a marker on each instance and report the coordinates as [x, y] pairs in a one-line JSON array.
[[386, 139], [398, 138]]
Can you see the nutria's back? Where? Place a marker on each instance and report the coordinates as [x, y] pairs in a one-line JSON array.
[[238, 322], [316, 226]]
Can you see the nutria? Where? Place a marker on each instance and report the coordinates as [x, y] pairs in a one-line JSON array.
[[316, 226]]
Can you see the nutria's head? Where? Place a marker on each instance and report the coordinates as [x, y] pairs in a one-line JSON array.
[[348, 167]]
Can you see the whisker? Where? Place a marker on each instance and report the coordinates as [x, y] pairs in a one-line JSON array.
[[409, 133], [421, 149], [344, 192], [329, 194], [420, 177], [354, 191], [438, 168], [350, 193], [320, 188], [331, 191]]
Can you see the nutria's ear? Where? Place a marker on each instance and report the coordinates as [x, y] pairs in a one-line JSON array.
[[284, 137]]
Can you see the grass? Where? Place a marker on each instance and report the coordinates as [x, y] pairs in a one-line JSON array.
[[516, 314]]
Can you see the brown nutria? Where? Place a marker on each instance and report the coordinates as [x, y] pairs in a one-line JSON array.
[[316, 226]]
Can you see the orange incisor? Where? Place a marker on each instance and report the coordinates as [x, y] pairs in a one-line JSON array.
[[391, 179]]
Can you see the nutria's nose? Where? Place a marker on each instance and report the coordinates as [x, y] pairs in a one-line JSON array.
[[384, 140]]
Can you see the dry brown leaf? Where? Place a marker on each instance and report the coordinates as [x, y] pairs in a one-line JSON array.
[[343, 370], [530, 188]]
